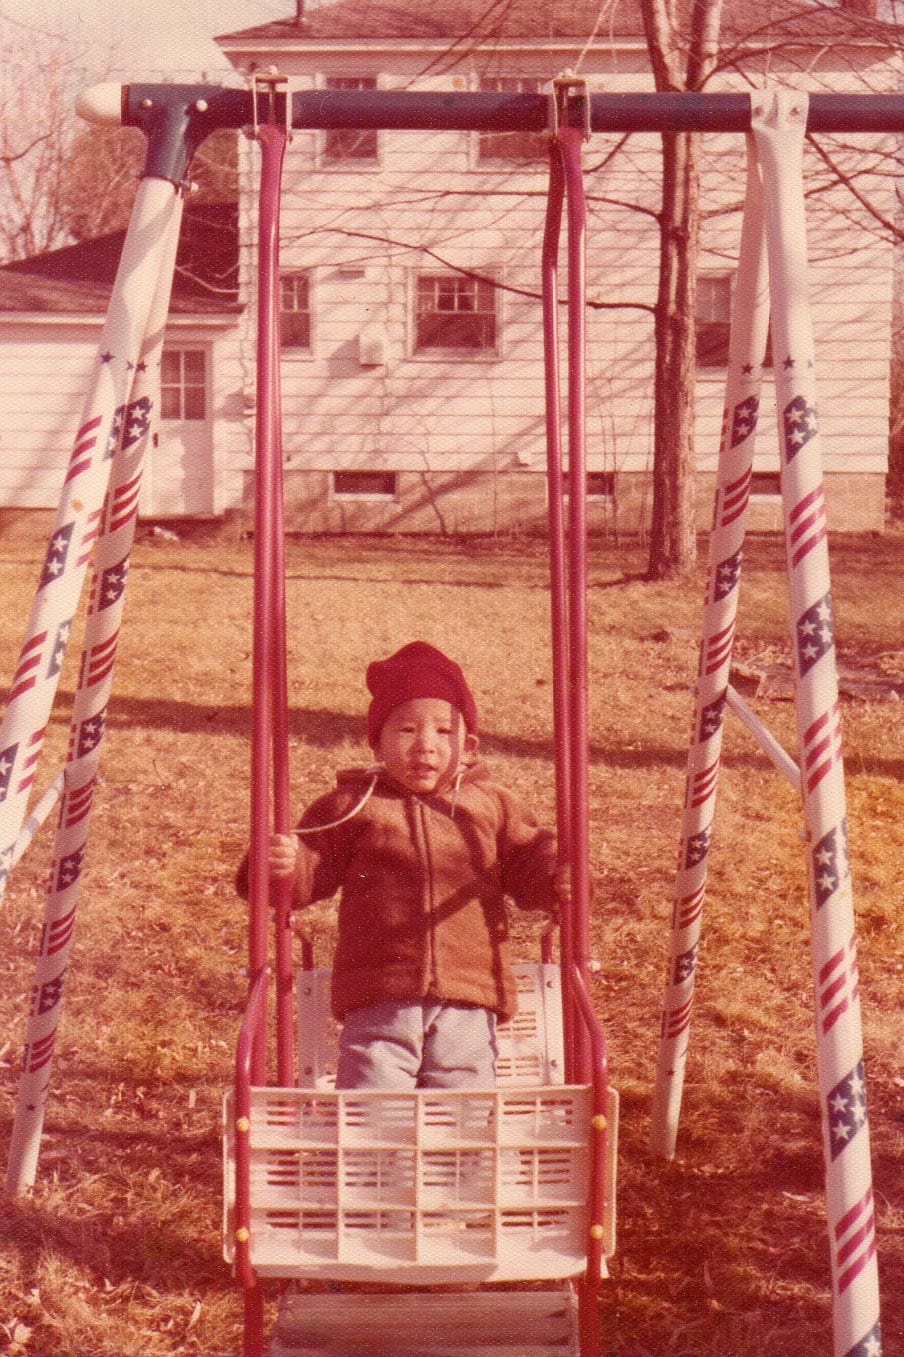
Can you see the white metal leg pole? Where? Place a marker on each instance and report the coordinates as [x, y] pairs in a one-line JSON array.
[[749, 328], [78, 516], [106, 473], [779, 124]]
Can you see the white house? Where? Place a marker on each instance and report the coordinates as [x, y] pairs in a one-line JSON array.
[[53, 307], [411, 329], [412, 355]]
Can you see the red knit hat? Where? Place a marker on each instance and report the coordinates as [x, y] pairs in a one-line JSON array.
[[417, 670]]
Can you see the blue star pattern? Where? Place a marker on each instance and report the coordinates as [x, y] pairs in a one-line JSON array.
[[831, 865], [685, 965], [726, 576], [815, 634], [130, 422], [744, 419], [711, 718], [49, 994], [697, 847], [57, 551], [846, 1110], [137, 422], [90, 734], [870, 1346], [59, 649], [112, 584], [800, 426], [70, 868], [7, 764]]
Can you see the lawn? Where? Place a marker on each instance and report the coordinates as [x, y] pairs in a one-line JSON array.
[[723, 1251]]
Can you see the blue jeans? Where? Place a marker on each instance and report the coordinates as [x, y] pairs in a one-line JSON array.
[[421, 1045]]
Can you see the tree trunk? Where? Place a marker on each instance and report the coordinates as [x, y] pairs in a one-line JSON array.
[[673, 544]]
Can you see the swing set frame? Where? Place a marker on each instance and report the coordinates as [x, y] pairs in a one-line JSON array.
[[99, 505]]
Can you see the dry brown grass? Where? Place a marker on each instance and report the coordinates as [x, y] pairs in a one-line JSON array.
[[722, 1252]]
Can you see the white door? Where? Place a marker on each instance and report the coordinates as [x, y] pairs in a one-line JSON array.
[[182, 477]]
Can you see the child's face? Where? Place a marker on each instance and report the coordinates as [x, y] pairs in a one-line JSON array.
[[422, 742]]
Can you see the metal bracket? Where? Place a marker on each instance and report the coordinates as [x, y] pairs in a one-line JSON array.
[[559, 102], [269, 83]]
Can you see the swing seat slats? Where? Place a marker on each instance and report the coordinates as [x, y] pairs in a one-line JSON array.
[[430, 1186]]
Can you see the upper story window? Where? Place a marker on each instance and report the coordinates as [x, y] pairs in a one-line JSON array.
[[355, 145], [456, 312], [295, 310], [713, 321], [521, 148]]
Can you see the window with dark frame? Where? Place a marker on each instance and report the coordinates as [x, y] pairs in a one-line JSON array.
[[365, 484], [183, 384], [519, 148], [342, 145], [600, 484], [713, 321], [766, 483], [295, 310], [455, 311]]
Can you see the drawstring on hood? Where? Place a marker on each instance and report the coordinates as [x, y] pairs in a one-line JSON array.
[[375, 770], [373, 773]]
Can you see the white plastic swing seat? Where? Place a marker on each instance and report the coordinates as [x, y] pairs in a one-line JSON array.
[[430, 1186]]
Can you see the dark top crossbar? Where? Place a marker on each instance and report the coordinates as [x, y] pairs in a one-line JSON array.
[[177, 118]]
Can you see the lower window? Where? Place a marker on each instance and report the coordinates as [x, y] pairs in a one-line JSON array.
[[365, 484], [600, 484]]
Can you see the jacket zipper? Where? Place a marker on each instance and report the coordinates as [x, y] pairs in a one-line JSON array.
[[428, 897]]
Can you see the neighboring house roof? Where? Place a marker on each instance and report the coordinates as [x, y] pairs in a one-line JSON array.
[[432, 20], [79, 278]]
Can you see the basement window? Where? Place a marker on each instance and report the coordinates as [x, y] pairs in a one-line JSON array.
[[766, 483], [600, 485], [365, 484]]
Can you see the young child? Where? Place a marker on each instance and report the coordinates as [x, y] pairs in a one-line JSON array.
[[424, 849]]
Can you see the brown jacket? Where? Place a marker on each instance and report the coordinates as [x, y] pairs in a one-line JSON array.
[[423, 881]]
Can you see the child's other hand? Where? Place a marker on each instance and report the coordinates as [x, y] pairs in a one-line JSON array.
[[561, 882], [283, 853]]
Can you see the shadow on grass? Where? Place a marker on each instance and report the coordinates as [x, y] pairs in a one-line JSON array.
[[323, 729], [726, 1255], [130, 1239]]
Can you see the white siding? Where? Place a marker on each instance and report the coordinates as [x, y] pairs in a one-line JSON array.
[[364, 232], [42, 387], [429, 203], [45, 368]]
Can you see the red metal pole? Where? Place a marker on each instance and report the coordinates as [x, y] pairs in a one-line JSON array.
[[569, 141], [282, 810], [558, 572], [249, 1038], [269, 629]]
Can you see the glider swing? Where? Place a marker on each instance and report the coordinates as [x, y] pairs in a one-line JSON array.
[[515, 1182], [509, 1184]]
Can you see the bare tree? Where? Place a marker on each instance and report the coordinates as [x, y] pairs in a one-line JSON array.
[[57, 186], [101, 171], [680, 62], [35, 96]]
